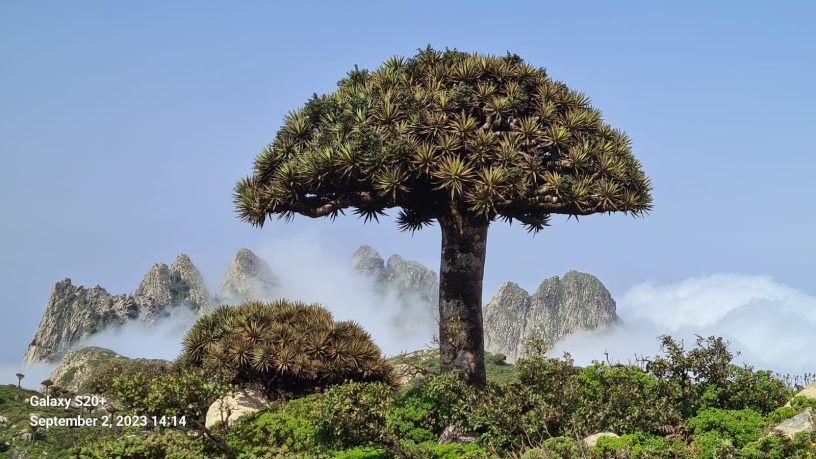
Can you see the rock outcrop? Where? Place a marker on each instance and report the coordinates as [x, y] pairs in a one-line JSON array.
[[74, 313], [560, 306], [406, 279], [230, 408], [78, 366], [248, 277], [802, 422], [186, 272], [592, 440]]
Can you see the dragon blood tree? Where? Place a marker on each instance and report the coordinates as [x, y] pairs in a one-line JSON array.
[[451, 137]]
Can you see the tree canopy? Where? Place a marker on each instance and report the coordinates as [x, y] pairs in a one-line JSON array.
[[491, 137]]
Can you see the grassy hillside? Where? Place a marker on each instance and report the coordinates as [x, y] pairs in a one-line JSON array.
[[428, 360], [53, 443]]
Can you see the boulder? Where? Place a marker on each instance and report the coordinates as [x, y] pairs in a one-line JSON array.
[[408, 373], [809, 391], [230, 408], [592, 440], [455, 434], [3, 420], [802, 422]]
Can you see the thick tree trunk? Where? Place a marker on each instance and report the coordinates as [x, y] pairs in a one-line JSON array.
[[461, 338]]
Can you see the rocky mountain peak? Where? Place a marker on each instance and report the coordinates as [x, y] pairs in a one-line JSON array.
[[559, 307], [184, 271], [368, 261], [154, 290], [248, 277], [74, 313]]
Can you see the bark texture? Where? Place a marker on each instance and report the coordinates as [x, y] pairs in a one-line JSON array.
[[461, 337]]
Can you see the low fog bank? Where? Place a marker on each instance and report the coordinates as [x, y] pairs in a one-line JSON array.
[[313, 271], [143, 339], [771, 325]]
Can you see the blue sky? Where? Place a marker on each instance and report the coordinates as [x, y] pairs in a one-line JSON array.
[[123, 128]]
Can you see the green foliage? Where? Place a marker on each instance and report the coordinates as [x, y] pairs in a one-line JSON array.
[[181, 392], [287, 347], [428, 360], [716, 429], [554, 381], [282, 430], [489, 136], [640, 446], [141, 371], [621, 399], [51, 443], [554, 448], [164, 445], [355, 415]]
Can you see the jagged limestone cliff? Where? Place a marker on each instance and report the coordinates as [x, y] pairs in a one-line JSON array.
[[559, 307], [403, 277], [74, 312], [248, 277]]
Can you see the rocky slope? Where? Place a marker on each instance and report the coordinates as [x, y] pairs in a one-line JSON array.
[[248, 277], [74, 312], [78, 366], [559, 307]]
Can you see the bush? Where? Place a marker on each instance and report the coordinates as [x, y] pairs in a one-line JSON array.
[[554, 380], [165, 445], [282, 430], [354, 415], [621, 399], [640, 446], [713, 427], [133, 376], [286, 347], [187, 393], [500, 359]]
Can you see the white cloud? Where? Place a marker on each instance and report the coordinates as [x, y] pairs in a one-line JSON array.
[[771, 324]]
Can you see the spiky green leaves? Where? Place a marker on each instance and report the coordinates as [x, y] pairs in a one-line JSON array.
[[490, 136], [288, 347]]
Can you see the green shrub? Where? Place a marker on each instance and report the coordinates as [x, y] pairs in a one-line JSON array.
[[165, 445], [187, 393], [756, 390], [511, 417], [554, 448], [127, 380], [450, 396], [285, 429], [640, 446], [554, 380], [737, 426], [621, 399], [768, 447], [413, 419], [286, 347], [354, 415]]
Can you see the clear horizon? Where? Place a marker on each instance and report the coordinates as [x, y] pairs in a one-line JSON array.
[[123, 130]]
